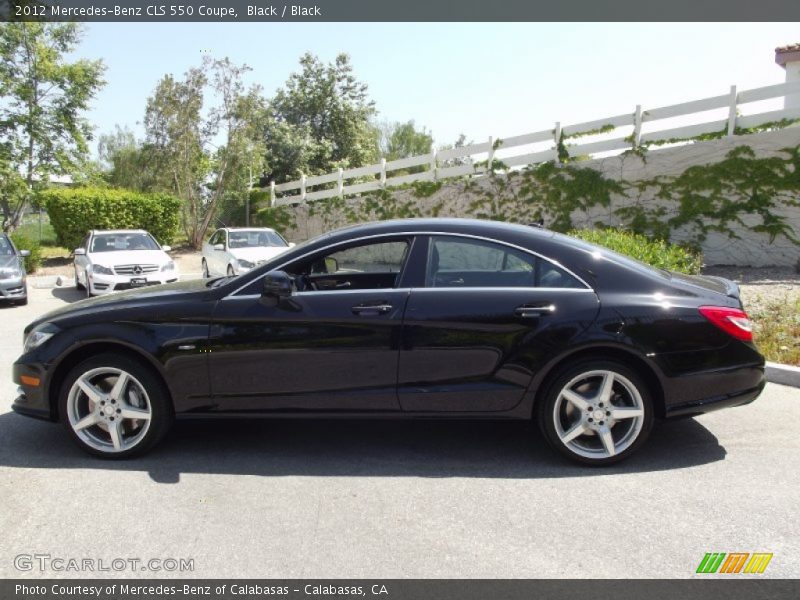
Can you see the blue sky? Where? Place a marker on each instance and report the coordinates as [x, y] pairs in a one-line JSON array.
[[479, 79]]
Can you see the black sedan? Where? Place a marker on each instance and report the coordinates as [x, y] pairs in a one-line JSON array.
[[414, 318]]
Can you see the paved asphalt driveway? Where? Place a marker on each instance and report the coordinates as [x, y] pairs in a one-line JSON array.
[[393, 499]]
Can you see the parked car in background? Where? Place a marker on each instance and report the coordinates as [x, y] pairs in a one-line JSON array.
[[109, 261], [13, 285], [419, 318], [236, 250]]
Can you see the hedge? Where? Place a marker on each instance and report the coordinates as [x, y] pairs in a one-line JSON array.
[[23, 242], [74, 211], [654, 252]]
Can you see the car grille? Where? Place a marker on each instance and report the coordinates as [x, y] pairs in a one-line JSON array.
[[131, 269]]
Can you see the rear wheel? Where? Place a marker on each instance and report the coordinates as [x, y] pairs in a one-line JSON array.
[[114, 407], [596, 412]]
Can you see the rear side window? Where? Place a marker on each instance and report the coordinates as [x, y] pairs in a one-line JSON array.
[[462, 262]]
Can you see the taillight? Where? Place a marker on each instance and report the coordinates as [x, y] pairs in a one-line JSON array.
[[732, 321]]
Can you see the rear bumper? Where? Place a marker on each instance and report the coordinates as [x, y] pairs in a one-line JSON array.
[[728, 399]]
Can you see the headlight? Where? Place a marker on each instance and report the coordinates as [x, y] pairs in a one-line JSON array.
[[10, 273], [246, 264], [39, 335], [170, 266], [101, 270]]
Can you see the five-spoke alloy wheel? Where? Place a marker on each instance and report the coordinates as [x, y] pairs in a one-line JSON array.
[[596, 412], [114, 407]]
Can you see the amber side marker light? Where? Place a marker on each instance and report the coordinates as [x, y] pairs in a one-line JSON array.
[[30, 381], [732, 321]]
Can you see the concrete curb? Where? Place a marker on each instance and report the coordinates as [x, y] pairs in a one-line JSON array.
[[783, 374], [47, 282]]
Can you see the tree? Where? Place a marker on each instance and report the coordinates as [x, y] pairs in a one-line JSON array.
[[401, 140], [181, 140], [320, 120], [42, 131]]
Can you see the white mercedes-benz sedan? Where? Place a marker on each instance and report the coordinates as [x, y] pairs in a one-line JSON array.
[[236, 250], [109, 261]]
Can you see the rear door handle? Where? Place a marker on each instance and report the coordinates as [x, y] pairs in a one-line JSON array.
[[530, 311], [380, 309]]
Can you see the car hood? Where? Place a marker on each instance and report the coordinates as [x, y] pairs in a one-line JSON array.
[[179, 291], [129, 257], [9, 262], [256, 255]]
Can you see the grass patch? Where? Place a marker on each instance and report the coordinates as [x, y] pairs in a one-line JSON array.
[[30, 230], [777, 330]]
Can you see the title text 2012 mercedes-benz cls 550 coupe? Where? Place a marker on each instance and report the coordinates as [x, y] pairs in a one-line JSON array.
[[411, 318]]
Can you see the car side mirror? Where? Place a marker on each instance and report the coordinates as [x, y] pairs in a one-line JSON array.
[[278, 284], [80, 251], [24, 253], [166, 248], [220, 247]]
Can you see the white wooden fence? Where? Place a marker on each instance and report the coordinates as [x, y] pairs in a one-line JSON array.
[[598, 136]]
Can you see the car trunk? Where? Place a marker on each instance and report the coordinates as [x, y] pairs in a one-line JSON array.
[[713, 283]]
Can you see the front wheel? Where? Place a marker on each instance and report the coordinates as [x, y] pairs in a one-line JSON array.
[[596, 412], [78, 284], [231, 272], [114, 407], [206, 274]]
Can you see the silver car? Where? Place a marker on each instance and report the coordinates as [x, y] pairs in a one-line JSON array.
[[13, 286]]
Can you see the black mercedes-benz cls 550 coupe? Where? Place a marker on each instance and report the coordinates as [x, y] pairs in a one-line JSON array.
[[450, 318]]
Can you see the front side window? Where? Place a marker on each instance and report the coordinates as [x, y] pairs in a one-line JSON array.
[[6, 249], [463, 262], [371, 266]]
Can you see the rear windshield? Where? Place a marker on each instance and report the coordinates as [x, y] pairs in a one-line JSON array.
[[625, 261]]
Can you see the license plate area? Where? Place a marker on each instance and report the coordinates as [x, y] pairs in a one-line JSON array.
[[138, 281]]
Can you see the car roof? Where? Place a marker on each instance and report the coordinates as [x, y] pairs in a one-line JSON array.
[[246, 229], [113, 231], [445, 225]]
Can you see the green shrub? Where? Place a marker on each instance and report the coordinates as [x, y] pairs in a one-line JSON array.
[[23, 242], [657, 253], [74, 211]]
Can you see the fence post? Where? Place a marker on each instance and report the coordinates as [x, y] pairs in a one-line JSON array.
[[637, 126], [340, 183], [732, 112], [272, 199], [383, 173], [303, 187], [433, 163], [557, 137], [490, 157]]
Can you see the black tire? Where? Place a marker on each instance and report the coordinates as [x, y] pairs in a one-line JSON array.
[[160, 406], [206, 274], [231, 272], [78, 284], [88, 286], [632, 433]]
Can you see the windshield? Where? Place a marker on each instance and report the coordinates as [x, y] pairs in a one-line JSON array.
[[255, 239], [6, 249], [111, 242]]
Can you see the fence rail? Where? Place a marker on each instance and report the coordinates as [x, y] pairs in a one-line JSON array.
[[597, 136]]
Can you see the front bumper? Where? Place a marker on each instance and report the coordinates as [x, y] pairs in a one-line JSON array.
[[105, 284], [31, 399], [13, 288]]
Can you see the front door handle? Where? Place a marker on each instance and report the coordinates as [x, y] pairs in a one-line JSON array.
[[380, 309], [531, 311]]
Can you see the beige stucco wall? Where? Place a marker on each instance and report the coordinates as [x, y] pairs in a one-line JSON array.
[[751, 249]]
